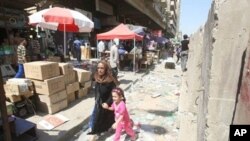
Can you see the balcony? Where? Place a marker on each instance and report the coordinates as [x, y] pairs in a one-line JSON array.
[[173, 4], [159, 9], [147, 9], [173, 15], [162, 3], [172, 22]]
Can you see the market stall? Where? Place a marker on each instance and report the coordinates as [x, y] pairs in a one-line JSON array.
[[61, 19], [121, 32]]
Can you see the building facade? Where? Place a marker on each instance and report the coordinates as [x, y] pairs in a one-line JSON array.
[[153, 14]]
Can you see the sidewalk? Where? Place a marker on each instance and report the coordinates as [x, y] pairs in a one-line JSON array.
[[152, 103], [78, 112]]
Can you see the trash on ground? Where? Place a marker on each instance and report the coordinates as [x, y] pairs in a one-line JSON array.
[[52, 121], [156, 95]]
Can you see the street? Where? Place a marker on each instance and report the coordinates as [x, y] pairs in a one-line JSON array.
[[152, 103]]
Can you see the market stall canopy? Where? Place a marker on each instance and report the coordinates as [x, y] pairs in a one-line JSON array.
[[160, 40], [141, 30], [121, 32], [61, 19]]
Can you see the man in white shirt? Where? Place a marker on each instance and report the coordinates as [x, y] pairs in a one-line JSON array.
[[101, 48], [114, 57]]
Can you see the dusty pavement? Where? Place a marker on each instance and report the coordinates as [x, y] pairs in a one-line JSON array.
[[153, 103]]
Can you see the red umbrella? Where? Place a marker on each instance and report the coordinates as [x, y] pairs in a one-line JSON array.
[[62, 19]]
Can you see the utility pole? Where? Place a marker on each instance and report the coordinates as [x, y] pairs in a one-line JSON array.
[[3, 108], [6, 127]]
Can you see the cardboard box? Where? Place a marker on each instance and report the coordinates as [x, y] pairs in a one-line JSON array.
[[13, 98], [82, 92], [49, 86], [54, 98], [71, 97], [71, 88], [65, 68], [16, 98], [41, 70], [70, 77], [87, 84], [15, 89], [18, 86], [51, 109], [82, 75], [54, 59]]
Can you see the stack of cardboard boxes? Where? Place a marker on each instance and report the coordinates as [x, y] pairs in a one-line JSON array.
[[17, 89], [72, 86], [84, 78], [56, 85], [49, 85]]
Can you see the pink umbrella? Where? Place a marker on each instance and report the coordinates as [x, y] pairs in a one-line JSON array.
[[61, 19]]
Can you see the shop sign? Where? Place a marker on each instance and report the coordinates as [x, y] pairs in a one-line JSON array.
[[12, 17], [86, 13], [109, 21], [103, 7]]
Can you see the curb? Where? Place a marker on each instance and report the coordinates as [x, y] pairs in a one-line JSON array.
[[69, 135]]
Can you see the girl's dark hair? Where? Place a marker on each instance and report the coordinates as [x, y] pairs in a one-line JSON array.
[[120, 92]]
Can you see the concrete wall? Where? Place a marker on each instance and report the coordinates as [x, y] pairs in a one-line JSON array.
[[213, 78]]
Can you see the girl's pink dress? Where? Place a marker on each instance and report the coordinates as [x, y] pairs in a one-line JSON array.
[[120, 109]]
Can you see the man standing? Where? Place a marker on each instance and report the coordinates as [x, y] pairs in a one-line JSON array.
[[114, 58], [77, 45], [21, 58], [101, 49], [184, 52]]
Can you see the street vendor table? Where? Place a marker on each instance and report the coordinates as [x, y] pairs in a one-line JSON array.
[[23, 129], [156, 55], [126, 60]]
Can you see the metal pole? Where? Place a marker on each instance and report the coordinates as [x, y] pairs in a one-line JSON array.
[[3, 108], [97, 55], [134, 57], [64, 40]]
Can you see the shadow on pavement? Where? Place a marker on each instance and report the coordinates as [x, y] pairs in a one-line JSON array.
[[124, 81], [155, 129], [162, 113]]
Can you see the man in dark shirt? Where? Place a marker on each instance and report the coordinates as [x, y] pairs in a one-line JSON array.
[[184, 52], [77, 45]]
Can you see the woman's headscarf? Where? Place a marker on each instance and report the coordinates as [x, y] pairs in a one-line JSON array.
[[107, 77]]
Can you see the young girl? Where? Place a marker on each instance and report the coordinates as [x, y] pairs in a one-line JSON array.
[[122, 119]]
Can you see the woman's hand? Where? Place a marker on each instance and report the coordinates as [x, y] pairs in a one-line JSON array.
[[114, 125], [105, 106]]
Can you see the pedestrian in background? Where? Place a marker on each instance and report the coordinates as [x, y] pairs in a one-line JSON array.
[[184, 52], [114, 57], [101, 49], [178, 53], [21, 58], [102, 119], [77, 45], [122, 119]]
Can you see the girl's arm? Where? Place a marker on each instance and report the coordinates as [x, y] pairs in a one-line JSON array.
[[105, 106], [117, 121], [111, 108]]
